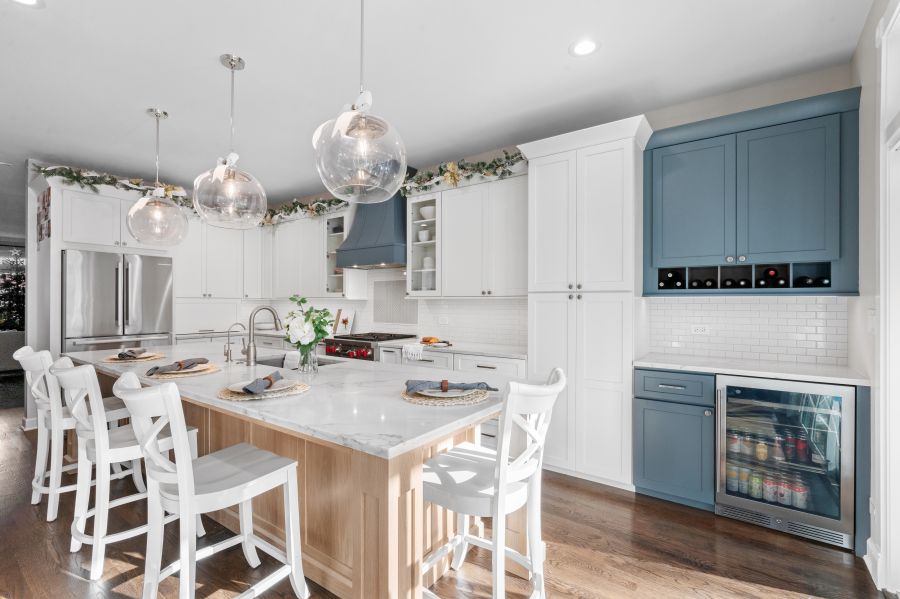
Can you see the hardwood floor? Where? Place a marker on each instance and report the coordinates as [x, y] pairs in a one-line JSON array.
[[602, 542]]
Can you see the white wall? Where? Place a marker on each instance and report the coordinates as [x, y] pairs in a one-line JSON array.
[[811, 330]]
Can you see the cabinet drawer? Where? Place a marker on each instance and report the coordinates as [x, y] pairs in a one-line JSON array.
[[272, 342], [433, 360], [680, 387], [473, 363]]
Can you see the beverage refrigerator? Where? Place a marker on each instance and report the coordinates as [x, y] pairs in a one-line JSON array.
[[786, 456]]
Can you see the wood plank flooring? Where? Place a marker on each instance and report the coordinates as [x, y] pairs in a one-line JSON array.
[[602, 543]]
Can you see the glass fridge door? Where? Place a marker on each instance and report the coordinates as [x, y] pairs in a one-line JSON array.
[[787, 445]]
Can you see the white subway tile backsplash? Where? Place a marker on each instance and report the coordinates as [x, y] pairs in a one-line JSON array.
[[807, 329]]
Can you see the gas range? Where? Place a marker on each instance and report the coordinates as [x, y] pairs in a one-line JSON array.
[[360, 346]]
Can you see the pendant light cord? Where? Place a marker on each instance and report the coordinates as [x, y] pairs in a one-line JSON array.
[[157, 149], [362, 43], [231, 138]]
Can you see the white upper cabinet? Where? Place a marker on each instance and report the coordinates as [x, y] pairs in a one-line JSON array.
[[187, 262], [89, 217], [424, 259], [485, 238], [551, 222], [253, 263], [224, 262], [311, 244], [463, 245], [286, 259]]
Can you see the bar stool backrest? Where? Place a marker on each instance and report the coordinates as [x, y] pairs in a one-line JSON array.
[[36, 365], [81, 391], [152, 409]]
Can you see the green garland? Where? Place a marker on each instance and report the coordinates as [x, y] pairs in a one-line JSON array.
[[86, 179], [452, 173], [314, 208]]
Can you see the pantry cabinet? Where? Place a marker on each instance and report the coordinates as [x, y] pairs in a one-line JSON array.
[[484, 245]]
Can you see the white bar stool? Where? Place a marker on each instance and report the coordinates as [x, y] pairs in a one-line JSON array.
[[97, 445], [53, 420], [475, 481], [190, 486]]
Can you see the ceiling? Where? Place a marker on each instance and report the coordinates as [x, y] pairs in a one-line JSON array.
[[454, 78]]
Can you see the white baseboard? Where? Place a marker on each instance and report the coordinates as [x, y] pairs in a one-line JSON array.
[[594, 479], [872, 559], [29, 423]]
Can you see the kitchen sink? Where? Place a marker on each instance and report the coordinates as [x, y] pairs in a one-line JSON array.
[[277, 361]]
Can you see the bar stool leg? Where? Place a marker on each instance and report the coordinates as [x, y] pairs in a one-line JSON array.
[[155, 528], [101, 513], [498, 540], [192, 441], [82, 494], [292, 536], [136, 476], [40, 460], [56, 464], [536, 548], [187, 551], [459, 554], [246, 513]]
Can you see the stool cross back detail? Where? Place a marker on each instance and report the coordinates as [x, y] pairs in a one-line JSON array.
[[476, 481], [189, 487], [101, 447], [53, 420]]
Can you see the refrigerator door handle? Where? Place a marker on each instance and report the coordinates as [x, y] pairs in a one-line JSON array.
[[126, 287], [116, 304], [97, 341]]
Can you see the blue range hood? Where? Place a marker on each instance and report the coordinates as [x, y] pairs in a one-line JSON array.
[[377, 238]]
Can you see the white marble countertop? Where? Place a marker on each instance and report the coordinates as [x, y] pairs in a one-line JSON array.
[[478, 349], [820, 373], [355, 404]]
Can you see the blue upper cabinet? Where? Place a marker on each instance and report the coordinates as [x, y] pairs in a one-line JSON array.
[[788, 192], [694, 202]]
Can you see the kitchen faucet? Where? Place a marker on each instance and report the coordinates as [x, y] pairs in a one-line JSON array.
[[228, 341], [250, 350]]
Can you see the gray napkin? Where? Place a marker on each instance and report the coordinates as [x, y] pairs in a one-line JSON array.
[[177, 366], [261, 384], [416, 386], [134, 352]]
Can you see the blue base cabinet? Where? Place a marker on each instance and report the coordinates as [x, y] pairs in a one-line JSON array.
[[674, 437]]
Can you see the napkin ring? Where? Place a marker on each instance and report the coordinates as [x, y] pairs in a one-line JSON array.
[[445, 385]]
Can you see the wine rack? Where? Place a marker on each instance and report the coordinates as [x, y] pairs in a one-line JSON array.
[[745, 278]]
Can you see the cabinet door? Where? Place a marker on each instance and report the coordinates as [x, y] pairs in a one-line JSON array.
[[252, 260], [694, 203], [91, 218], [312, 257], [605, 215], [440, 360], [551, 222], [506, 241], [224, 262], [389, 355], [603, 387], [286, 260], [674, 450], [551, 332], [788, 191], [463, 245], [205, 316], [491, 365], [187, 261]]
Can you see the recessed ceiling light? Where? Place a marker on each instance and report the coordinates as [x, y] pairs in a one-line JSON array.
[[583, 47]]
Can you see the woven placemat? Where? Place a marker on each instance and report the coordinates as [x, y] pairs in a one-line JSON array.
[[478, 396], [182, 375], [230, 395], [144, 358]]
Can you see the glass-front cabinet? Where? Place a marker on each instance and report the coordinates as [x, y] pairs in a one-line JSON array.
[[335, 231], [423, 245], [786, 456]]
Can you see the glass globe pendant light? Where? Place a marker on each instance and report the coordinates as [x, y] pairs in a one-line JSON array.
[[226, 196], [359, 156], [155, 219]]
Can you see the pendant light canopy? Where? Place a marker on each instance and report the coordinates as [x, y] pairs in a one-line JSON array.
[[156, 219], [359, 156], [226, 196]]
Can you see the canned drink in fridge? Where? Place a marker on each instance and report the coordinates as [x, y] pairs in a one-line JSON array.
[[734, 442], [802, 446], [756, 484], [744, 480], [770, 488], [731, 477], [800, 494], [778, 448], [762, 449], [785, 491], [748, 445]]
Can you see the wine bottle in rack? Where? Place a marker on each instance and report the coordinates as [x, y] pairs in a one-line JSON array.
[[743, 282], [709, 283], [696, 283], [728, 283], [823, 282]]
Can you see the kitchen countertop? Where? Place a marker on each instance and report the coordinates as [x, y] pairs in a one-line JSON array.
[[355, 404], [819, 373], [478, 349]]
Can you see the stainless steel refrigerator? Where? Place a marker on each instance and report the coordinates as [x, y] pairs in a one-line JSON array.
[[111, 301]]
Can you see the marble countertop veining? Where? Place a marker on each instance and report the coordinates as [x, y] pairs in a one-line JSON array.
[[355, 404], [819, 373]]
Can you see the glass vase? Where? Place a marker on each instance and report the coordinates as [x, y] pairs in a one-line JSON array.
[[309, 361]]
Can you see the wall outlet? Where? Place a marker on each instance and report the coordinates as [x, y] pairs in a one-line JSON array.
[[443, 319], [699, 329]]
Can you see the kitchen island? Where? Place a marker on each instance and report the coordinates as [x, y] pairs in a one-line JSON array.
[[359, 448]]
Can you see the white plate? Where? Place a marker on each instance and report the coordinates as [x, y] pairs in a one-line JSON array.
[[448, 393], [278, 386]]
